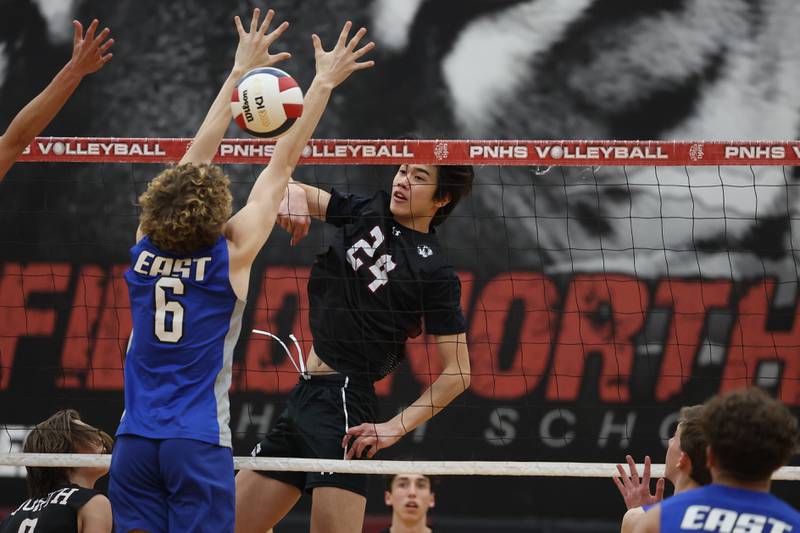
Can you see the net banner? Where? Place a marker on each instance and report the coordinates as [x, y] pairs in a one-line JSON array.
[[605, 285], [455, 152]]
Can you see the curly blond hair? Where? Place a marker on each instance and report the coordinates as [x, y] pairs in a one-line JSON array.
[[185, 207]]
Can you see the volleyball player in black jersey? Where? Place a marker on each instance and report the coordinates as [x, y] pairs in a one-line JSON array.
[[382, 277], [63, 500], [89, 54]]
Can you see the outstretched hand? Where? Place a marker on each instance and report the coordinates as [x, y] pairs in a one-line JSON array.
[[634, 493], [336, 66], [253, 49], [89, 51]]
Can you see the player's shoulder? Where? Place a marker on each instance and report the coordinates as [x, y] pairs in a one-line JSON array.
[[432, 259], [76, 496], [686, 498], [96, 502], [379, 198], [96, 512], [358, 209], [379, 202]]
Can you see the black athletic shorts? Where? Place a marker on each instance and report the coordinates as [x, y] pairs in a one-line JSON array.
[[313, 425]]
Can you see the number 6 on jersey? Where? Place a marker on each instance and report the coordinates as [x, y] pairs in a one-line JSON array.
[[164, 306]]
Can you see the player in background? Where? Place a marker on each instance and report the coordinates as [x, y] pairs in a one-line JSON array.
[[383, 276], [89, 54], [750, 435], [63, 500], [172, 469], [685, 467], [411, 497]]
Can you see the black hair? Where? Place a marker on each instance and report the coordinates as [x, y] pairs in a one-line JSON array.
[[453, 182]]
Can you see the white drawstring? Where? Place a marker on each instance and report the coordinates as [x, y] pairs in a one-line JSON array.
[[301, 369], [300, 356], [344, 407]]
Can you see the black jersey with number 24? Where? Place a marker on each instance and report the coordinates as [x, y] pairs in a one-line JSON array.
[[57, 513], [375, 285]]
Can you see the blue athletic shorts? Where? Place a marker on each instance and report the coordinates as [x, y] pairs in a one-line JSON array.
[[171, 485]]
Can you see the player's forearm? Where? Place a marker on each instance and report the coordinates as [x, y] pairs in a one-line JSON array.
[[212, 130], [292, 144], [316, 198], [447, 387], [35, 116], [631, 518], [274, 178]]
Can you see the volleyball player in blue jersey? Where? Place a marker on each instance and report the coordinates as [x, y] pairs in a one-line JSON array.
[[685, 467], [172, 469], [750, 436]]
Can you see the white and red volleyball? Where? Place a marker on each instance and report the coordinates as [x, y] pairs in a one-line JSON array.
[[266, 102]]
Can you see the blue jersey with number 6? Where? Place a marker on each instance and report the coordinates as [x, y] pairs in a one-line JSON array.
[[186, 321]]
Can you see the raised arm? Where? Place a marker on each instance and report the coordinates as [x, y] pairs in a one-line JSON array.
[[631, 519], [88, 56], [635, 493], [453, 380], [252, 52], [650, 522], [247, 230]]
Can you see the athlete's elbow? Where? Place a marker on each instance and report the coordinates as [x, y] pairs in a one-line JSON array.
[[465, 381], [12, 144], [462, 378], [462, 373]]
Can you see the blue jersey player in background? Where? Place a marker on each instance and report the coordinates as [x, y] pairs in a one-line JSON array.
[[750, 436], [172, 468]]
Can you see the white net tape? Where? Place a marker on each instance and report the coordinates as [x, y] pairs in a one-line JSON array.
[[433, 468]]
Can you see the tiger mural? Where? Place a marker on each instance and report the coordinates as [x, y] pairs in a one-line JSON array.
[[591, 69]]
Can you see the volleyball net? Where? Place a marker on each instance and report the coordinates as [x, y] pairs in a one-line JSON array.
[[605, 285]]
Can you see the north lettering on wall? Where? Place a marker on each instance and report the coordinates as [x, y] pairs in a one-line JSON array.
[[547, 351]]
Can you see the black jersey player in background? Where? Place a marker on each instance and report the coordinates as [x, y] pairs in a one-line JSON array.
[[382, 277], [89, 54], [63, 500]]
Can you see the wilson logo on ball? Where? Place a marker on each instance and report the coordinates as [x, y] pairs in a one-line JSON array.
[[266, 102]]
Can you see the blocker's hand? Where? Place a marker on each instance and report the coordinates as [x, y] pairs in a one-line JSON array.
[[253, 49], [89, 52], [634, 493], [293, 213], [336, 66], [370, 438]]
